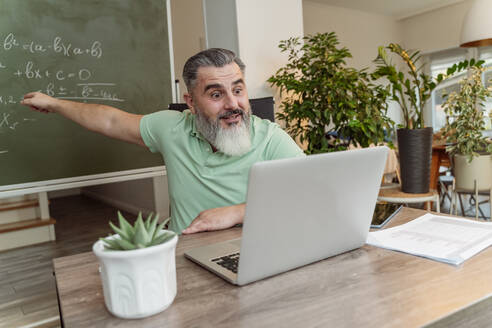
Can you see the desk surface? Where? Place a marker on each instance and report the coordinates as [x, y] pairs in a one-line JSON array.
[[367, 287]]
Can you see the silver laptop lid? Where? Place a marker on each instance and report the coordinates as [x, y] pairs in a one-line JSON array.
[[302, 210]]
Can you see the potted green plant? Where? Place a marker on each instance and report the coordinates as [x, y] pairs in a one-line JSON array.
[[469, 148], [138, 268], [411, 89], [323, 96]]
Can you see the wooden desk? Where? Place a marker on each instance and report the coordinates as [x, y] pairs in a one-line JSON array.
[[367, 287]]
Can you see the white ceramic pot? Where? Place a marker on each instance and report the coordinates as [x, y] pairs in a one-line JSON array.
[[479, 170], [138, 283]]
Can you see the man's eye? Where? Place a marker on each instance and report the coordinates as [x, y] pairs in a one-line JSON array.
[[215, 95], [238, 91]]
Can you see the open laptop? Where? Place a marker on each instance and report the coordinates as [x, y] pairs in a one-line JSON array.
[[298, 211]]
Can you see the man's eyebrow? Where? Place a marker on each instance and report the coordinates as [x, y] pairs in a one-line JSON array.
[[238, 81], [220, 86], [213, 86]]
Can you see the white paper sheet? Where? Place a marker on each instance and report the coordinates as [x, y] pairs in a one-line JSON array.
[[441, 238]]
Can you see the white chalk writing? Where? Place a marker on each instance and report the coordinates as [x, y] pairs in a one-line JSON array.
[[50, 66], [31, 71], [58, 45], [67, 83], [6, 122]]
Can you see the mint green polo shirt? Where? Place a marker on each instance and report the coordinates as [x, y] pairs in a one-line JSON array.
[[198, 178]]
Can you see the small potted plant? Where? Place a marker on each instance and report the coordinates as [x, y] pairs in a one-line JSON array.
[[138, 267], [324, 97], [411, 89], [469, 148]]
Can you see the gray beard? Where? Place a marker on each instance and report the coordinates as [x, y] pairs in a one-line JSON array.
[[232, 141]]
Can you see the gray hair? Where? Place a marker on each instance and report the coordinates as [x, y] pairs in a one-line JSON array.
[[217, 57]]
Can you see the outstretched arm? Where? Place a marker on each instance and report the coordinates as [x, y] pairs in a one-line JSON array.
[[217, 219], [103, 119]]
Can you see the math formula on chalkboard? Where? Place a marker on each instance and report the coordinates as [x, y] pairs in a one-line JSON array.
[[53, 81], [75, 82]]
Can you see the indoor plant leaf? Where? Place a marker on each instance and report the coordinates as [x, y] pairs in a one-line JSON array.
[[124, 225], [141, 238], [321, 94]]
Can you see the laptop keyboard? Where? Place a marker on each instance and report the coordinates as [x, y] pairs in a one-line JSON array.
[[230, 262]]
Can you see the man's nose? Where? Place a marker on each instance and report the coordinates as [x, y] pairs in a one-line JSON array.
[[230, 102]]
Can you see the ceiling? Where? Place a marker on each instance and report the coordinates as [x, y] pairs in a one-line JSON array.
[[399, 9]]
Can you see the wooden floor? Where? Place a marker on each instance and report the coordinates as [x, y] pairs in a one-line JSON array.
[[27, 285]]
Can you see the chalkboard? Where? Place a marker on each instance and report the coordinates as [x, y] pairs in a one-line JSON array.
[[113, 52]]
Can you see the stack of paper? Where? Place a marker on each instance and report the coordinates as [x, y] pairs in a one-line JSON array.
[[439, 238]]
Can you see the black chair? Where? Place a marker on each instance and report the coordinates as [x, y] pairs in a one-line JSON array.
[[178, 106], [261, 107]]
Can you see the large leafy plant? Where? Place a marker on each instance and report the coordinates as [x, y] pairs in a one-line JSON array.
[[412, 88], [141, 235], [465, 117], [321, 94]]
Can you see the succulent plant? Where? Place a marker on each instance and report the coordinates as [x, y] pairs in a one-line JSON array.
[[140, 235]]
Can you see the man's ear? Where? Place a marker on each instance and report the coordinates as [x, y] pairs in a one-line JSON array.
[[189, 101]]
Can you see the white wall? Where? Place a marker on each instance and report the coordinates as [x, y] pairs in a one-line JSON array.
[[359, 31], [188, 34], [221, 24], [435, 30], [261, 26]]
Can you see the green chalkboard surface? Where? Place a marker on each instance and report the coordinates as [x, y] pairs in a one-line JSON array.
[[113, 52]]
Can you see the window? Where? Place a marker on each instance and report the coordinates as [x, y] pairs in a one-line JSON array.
[[439, 63]]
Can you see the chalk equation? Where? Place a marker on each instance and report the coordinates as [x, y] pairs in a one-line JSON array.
[[54, 66], [7, 121], [85, 91], [6, 100], [82, 92], [31, 71], [75, 82], [57, 45]]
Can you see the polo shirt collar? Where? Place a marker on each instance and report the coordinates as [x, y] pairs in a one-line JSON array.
[[194, 132]]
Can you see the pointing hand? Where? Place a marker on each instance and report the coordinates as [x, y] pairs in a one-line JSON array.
[[39, 102]]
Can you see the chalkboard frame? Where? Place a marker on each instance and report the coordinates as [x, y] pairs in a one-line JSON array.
[[81, 181]]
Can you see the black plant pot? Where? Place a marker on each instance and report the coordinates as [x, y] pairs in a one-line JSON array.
[[415, 150]]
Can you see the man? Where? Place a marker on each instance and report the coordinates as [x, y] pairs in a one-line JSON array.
[[208, 149]]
